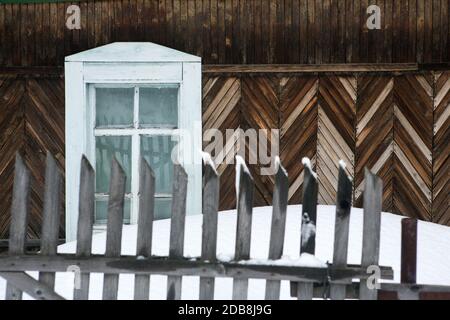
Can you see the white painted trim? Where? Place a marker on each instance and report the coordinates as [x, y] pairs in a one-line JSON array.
[[75, 141], [131, 131], [81, 78], [132, 72]]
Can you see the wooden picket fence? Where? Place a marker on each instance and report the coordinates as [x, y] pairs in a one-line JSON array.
[[336, 281]]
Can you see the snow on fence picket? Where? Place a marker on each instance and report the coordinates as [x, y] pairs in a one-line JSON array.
[[308, 279]]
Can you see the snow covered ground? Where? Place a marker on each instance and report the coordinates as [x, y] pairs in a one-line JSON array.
[[433, 251]]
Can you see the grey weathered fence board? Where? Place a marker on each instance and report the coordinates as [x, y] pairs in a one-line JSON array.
[[308, 230], [114, 226], [86, 214], [244, 227], [145, 226], [51, 216], [310, 280], [19, 218], [341, 229], [409, 259], [409, 251], [177, 223], [185, 267], [373, 191], [31, 286], [209, 226], [278, 227]]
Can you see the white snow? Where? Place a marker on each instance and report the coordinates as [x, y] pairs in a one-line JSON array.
[[279, 166], [433, 251], [307, 163], [207, 160], [305, 260], [240, 164]]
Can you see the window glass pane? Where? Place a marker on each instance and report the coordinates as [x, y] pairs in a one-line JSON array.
[[114, 107], [157, 151], [101, 211], [163, 208], [106, 147], [158, 106]]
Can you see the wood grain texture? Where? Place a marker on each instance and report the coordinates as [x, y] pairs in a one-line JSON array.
[[31, 122], [336, 132], [232, 31], [441, 149], [395, 116]]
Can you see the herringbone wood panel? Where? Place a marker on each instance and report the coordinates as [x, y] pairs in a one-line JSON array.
[[375, 135], [298, 124], [396, 125], [413, 139], [259, 109], [336, 132], [32, 120], [441, 150], [221, 111]]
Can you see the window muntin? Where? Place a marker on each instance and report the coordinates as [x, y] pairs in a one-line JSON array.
[[150, 132]]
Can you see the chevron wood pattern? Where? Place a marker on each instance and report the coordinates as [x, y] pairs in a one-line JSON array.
[[298, 125], [336, 132], [221, 111], [375, 134], [31, 122], [259, 109], [413, 141], [441, 150], [395, 124]]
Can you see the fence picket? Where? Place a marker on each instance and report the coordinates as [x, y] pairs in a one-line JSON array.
[[13, 266], [244, 224], [373, 191], [305, 290], [278, 228], [409, 258], [51, 216], [177, 228], [341, 229], [86, 214], [19, 218], [145, 226], [114, 226], [209, 227]]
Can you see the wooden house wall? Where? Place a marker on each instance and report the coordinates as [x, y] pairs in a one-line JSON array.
[[233, 31], [398, 125]]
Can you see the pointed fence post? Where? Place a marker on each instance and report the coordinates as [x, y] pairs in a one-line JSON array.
[[145, 226], [304, 290], [51, 216], [19, 218], [278, 228], [409, 259], [341, 229], [86, 214], [373, 192], [114, 226], [177, 223], [209, 226], [244, 223]]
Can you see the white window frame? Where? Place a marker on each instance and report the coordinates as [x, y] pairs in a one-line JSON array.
[[135, 132], [80, 122]]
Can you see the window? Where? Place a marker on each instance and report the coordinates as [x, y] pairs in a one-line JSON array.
[[130, 122], [132, 99]]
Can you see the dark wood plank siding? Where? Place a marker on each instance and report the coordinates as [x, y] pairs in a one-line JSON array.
[[394, 124], [31, 122], [233, 31], [385, 122]]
